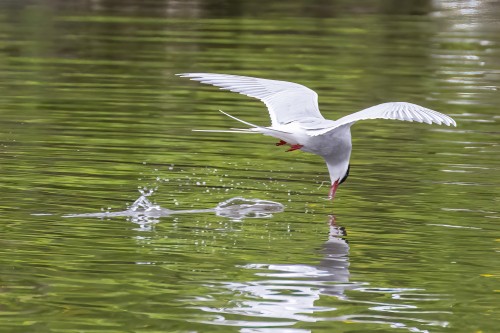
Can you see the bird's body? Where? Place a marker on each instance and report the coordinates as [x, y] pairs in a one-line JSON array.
[[296, 120]]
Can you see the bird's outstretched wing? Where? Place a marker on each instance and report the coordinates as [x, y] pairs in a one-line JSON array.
[[393, 110], [286, 101]]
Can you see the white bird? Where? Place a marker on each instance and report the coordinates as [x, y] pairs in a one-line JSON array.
[[296, 120]]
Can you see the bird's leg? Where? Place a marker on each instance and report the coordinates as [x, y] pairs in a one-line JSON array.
[[281, 143], [294, 147]]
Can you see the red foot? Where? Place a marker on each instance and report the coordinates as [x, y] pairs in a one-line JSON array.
[[281, 143], [294, 147]]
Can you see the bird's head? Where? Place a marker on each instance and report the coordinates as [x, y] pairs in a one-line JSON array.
[[337, 180], [337, 155]]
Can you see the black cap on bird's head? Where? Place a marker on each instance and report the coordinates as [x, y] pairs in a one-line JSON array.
[[346, 174]]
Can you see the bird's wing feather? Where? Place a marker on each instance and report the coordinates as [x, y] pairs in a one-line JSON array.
[[393, 110], [286, 101]]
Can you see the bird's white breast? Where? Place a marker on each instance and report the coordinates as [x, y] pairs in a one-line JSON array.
[[336, 142], [332, 143]]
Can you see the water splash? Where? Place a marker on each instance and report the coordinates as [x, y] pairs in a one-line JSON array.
[[235, 209], [239, 208]]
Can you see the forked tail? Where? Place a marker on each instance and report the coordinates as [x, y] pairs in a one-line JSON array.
[[253, 128], [233, 130]]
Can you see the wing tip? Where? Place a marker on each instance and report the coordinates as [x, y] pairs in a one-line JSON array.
[[449, 121]]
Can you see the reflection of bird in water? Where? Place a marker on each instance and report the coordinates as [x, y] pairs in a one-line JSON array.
[[281, 295], [289, 291], [296, 120], [336, 260]]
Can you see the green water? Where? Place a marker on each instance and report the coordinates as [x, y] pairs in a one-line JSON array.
[[90, 112]]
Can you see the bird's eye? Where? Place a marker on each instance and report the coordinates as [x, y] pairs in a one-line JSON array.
[[346, 174]]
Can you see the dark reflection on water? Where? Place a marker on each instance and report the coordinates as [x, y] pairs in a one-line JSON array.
[[286, 294], [236, 8]]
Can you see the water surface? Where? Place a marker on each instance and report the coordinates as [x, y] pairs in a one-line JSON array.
[[91, 112]]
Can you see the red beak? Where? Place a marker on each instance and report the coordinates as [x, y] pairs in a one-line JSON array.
[[333, 189]]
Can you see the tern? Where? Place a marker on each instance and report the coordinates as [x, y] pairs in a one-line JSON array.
[[296, 120]]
